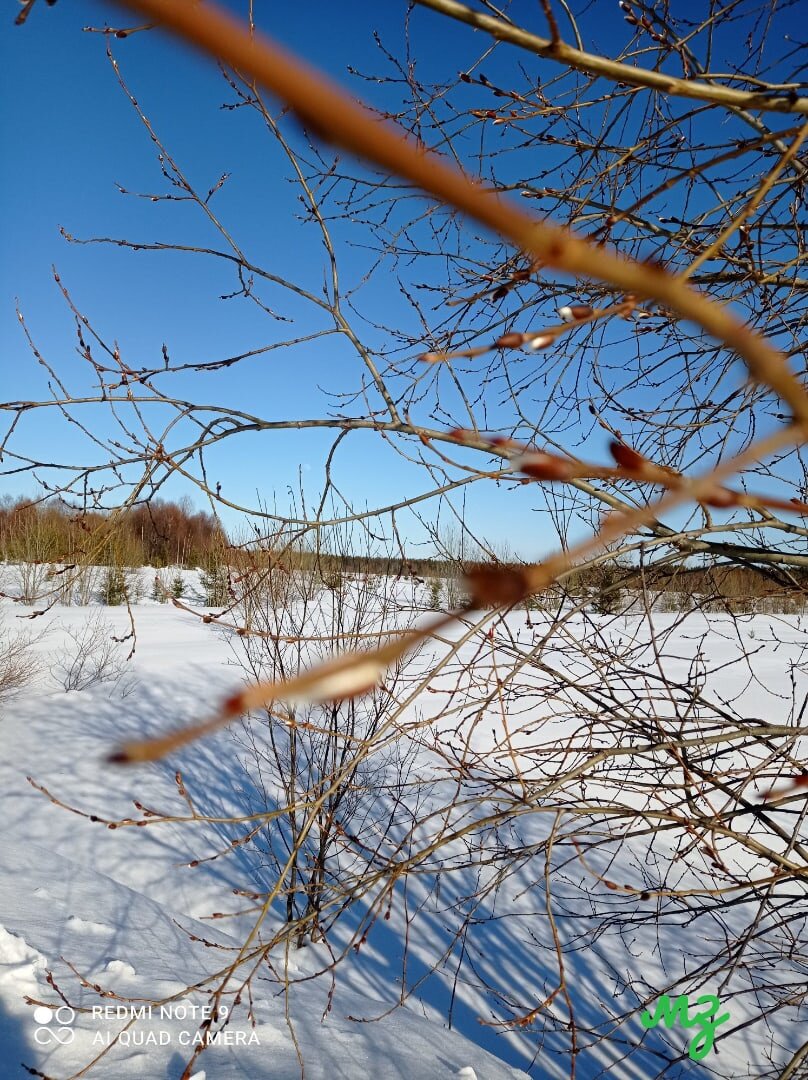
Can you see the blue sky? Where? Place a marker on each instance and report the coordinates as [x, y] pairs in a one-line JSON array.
[[71, 136]]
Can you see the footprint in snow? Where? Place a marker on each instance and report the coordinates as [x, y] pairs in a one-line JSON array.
[[75, 922], [22, 968], [119, 967]]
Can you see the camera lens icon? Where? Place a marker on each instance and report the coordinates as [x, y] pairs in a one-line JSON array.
[[54, 1025]]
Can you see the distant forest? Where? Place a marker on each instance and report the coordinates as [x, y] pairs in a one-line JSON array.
[[163, 533], [158, 533]]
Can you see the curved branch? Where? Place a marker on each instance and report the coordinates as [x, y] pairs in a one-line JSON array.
[[336, 117], [592, 64]]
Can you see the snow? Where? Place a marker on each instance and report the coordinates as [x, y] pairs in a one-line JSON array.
[[120, 909]]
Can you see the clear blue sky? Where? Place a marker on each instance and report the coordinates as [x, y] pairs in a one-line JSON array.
[[69, 136]]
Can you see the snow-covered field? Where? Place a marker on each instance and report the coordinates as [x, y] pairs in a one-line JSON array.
[[113, 920]]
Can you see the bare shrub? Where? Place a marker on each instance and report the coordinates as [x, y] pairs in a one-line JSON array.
[[19, 663], [92, 658], [302, 754], [85, 582], [32, 581]]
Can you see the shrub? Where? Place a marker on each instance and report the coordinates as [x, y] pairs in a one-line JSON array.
[[18, 662], [159, 589], [435, 595], [92, 657], [216, 583], [114, 587], [607, 596]]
